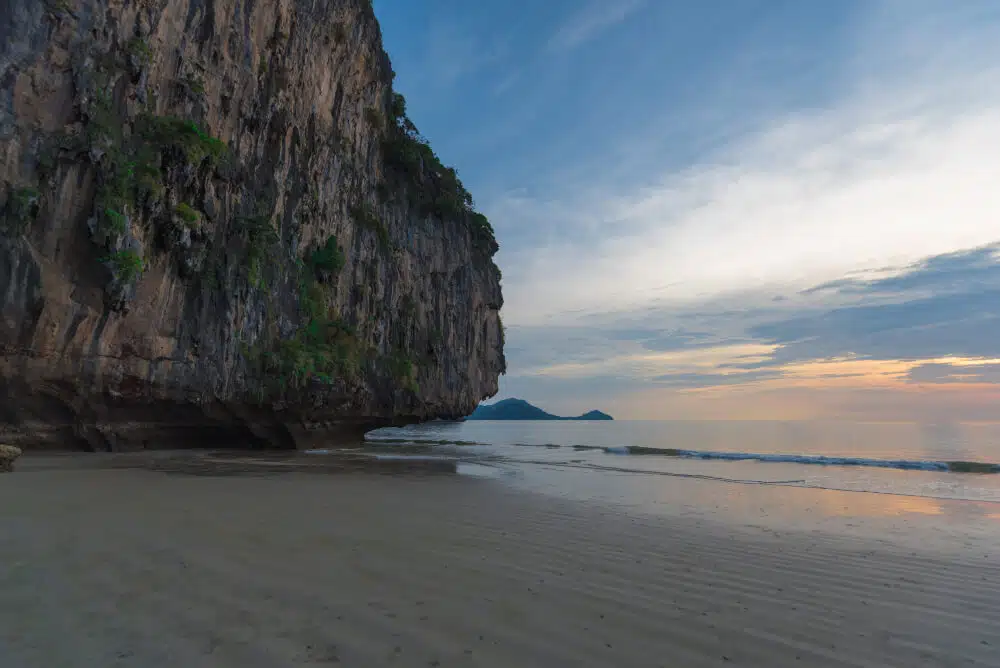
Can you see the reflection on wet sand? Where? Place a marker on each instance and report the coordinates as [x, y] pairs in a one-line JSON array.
[[912, 520], [834, 503]]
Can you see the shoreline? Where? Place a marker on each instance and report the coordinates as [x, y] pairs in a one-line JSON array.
[[128, 566]]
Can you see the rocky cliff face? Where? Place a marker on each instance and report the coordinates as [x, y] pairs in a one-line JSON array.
[[218, 227]]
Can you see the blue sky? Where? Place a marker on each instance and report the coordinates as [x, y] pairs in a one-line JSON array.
[[728, 208]]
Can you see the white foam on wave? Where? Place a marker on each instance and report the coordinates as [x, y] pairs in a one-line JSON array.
[[410, 458], [821, 460]]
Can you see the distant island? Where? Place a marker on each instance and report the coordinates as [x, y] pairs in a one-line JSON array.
[[519, 409]]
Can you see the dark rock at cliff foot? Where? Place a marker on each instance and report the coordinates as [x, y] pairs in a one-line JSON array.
[[219, 227], [8, 455], [519, 409]]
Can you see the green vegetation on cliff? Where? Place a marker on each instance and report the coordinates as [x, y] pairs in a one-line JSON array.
[[127, 265], [187, 214], [434, 188], [367, 218], [168, 132], [324, 347], [20, 210], [327, 259], [132, 167], [260, 237]]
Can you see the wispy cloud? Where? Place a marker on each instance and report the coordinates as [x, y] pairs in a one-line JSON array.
[[975, 372], [695, 380], [927, 324], [589, 22], [453, 51], [948, 305], [891, 171], [962, 271], [507, 82]]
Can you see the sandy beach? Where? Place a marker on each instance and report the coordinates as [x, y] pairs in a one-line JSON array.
[[132, 567]]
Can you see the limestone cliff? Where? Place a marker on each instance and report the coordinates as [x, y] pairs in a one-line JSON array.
[[219, 227]]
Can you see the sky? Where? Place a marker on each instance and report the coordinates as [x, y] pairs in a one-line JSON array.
[[728, 209]]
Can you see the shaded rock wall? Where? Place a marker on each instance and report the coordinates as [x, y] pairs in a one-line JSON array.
[[201, 240]]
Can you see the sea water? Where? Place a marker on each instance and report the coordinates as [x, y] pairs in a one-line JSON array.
[[632, 462]]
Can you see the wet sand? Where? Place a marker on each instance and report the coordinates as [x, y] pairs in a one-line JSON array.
[[132, 567]]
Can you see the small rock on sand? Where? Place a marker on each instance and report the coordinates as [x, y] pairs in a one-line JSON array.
[[8, 453]]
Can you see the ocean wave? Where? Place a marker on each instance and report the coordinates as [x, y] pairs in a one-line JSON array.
[[417, 441], [821, 460]]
